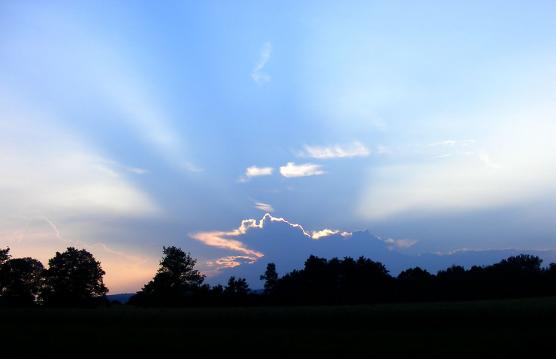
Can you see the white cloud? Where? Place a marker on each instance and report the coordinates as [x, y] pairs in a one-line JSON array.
[[48, 169], [265, 207], [258, 75], [291, 170], [512, 163], [356, 149], [255, 171], [323, 233]]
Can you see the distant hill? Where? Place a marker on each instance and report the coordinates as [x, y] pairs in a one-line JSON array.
[[120, 297]]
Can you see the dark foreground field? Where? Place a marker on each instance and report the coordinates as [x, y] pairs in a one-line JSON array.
[[447, 329]]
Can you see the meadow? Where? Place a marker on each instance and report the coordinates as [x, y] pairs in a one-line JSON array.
[[495, 328]]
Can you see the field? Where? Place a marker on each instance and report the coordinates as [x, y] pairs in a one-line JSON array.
[[446, 329]]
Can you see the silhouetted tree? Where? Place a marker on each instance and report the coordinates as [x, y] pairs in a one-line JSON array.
[[516, 276], [217, 289], [335, 281], [175, 282], [20, 281], [416, 274], [4, 255], [456, 283], [73, 277], [452, 273], [415, 284], [551, 271], [270, 277], [236, 287], [522, 265]]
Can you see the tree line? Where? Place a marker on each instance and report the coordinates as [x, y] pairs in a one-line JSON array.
[[75, 278]]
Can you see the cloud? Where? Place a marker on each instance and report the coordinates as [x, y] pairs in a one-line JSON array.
[[512, 164], [219, 264], [255, 171], [400, 243], [328, 232], [355, 149], [225, 239], [245, 240], [137, 170], [265, 207], [51, 170], [291, 170], [258, 75]]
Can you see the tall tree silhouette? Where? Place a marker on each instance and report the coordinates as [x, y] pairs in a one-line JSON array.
[[270, 277], [73, 277], [175, 282], [20, 281]]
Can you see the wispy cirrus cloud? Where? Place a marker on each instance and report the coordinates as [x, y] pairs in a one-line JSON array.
[[355, 149], [265, 207], [292, 170], [400, 243], [258, 75], [452, 143], [137, 170]]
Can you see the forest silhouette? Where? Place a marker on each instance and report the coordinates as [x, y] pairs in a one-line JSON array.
[[74, 278]]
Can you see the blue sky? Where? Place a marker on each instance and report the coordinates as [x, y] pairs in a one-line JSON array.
[[126, 126]]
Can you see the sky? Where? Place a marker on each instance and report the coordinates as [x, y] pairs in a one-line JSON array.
[[126, 126]]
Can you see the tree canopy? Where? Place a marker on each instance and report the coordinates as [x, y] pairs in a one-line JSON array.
[[73, 277], [175, 281], [20, 281]]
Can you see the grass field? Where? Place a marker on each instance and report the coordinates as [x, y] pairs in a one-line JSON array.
[[446, 329]]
